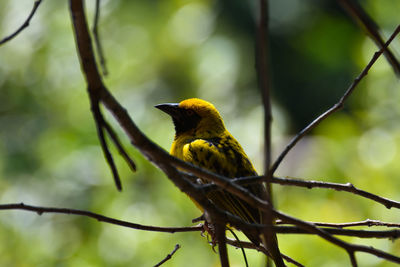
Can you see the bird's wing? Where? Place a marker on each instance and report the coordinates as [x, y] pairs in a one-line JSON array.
[[225, 159]]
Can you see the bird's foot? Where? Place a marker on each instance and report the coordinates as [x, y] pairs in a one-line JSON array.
[[208, 228]]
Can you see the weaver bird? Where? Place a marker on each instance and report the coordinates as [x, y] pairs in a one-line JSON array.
[[201, 139]]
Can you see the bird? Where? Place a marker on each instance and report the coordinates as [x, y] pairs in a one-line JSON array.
[[202, 140]]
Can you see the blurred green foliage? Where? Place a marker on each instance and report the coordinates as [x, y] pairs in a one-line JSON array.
[[166, 51]]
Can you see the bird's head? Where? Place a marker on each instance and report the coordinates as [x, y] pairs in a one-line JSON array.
[[194, 117]]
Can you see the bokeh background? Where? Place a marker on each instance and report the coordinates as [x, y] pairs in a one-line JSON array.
[[166, 51]]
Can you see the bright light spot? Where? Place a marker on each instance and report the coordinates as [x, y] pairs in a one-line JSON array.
[[376, 148], [217, 68], [191, 24]]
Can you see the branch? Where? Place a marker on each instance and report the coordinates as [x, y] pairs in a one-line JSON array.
[[117, 143], [101, 218], [221, 239], [350, 248], [264, 85], [390, 234], [100, 122], [169, 256], [393, 234], [362, 18], [249, 245], [24, 25], [95, 85], [367, 222], [339, 105], [99, 47], [388, 203]]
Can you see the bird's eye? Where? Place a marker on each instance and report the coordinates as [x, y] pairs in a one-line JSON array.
[[189, 112]]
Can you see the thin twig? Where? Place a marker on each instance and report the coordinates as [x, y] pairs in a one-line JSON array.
[[169, 256], [386, 234], [358, 13], [367, 222], [24, 25], [241, 248], [100, 52], [117, 143], [350, 248], [264, 85], [100, 124], [101, 218], [348, 187], [339, 105], [250, 245], [388, 203]]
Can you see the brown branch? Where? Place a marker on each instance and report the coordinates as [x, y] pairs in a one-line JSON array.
[[169, 256], [95, 86], [390, 234], [264, 85], [367, 222], [99, 47], [250, 245], [101, 218], [393, 234], [263, 81], [339, 105], [388, 203], [119, 146], [100, 122], [365, 21], [24, 25], [350, 248], [221, 239]]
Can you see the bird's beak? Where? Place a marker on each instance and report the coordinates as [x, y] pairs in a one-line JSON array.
[[171, 109]]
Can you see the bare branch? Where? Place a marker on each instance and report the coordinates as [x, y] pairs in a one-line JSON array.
[[97, 42], [100, 122], [264, 85], [24, 25], [388, 203], [388, 234], [335, 107], [350, 248], [249, 245], [101, 218], [353, 259], [221, 239], [359, 14], [169, 256], [367, 222], [117, 143]]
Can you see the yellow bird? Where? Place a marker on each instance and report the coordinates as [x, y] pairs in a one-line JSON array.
[[201, 139]]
